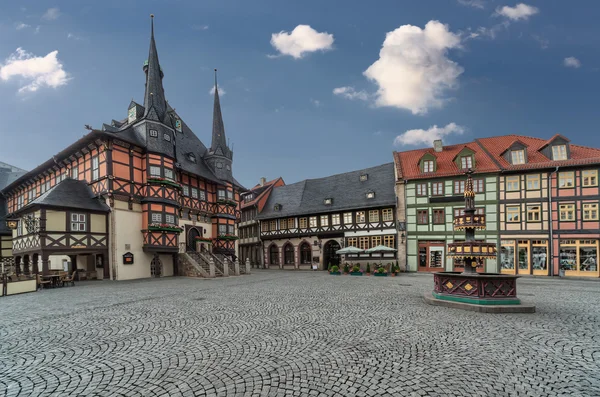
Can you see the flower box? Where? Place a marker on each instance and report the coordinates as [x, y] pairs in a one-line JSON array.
[[230, 203], [164, 181], [356, 273], [203, 239], [227, 237], [335, 273], [380, 274], [164, 227]]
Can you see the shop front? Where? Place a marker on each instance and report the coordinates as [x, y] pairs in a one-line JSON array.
[[525, 257], [431, 256], [578, 258]]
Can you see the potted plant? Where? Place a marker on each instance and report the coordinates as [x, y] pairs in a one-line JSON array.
[[368, 269], [380, 272], [356, 271], [346, 269], [395, 269], [335, 270]]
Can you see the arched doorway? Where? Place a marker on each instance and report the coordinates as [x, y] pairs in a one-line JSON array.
[[329, 254], [305, 253], [155, 266], [191, 238], [288, 255], [273, 255]]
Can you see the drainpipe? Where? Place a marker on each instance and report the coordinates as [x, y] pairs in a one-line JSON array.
[[406, 234], [550, 227]]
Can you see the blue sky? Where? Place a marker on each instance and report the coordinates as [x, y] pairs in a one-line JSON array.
[[311, 101]]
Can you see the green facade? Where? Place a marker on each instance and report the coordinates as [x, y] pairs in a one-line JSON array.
[[418, 235]]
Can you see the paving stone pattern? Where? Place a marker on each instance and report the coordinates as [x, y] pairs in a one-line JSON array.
[[294, 333]]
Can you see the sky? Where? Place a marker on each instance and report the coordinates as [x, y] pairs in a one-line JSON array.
[[308, 88]]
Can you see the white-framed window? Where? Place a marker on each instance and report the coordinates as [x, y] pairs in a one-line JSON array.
[[370, 195], [373, 216], [78, 222], [156, 217], [518, 156], [20, 201], [360, 217], [590, 178], [312, 221], [590, 211], [466, 162], [533, 182], [566, 179], [169, 173], [222, 229], [559, 152], [459, 187], [221, 194], [230, 194], [170, 219], [42, 188], [428, 166], [324, 220], [19, 228], [30, 195], [47, 185], [513, 183], [335, 219], [95, 168], [387, 215], [186, 190], [194, 193], [347, 218], [230, 229], [154, 133], [75, 172], [155, 171], [202, 195], [478, 185]]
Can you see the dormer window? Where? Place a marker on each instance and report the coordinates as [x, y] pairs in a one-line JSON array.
[[131, 116], [517, 156], [466, 162], [364, 177], [178, 125], [167, 137], [559, 152], [248, 197], [328, 201], [192, 157], [370, 195], [277, 207], [428, 166], [154, 133]]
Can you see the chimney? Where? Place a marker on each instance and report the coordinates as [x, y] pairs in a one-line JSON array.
[[263, 180], [437, 145]]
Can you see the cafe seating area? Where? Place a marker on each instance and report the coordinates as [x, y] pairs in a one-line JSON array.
[[56, 279], [13, 283]]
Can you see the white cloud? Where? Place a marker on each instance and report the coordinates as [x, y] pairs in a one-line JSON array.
[[51, 14], [472, 3], [21, 26], [37, 29], [351, 93], [518, 12], [544, 43], [426, 137], [315, 102], [572, 62], [200, 27], [73, 36], [413, 71], [34, 72], [221, 90], [301, 41]]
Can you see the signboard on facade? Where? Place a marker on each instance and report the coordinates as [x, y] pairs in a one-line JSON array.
[[78, 246], [128, 258]]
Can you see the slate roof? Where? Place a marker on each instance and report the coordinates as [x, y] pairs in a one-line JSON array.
[[8, 174], [70, 193], [346, 190]]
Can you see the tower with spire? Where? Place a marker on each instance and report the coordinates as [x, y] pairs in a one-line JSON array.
[[219, 157]]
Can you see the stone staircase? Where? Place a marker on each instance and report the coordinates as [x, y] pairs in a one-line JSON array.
[[209, 265]]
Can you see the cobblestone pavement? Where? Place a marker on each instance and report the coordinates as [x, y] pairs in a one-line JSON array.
[[277, 333]]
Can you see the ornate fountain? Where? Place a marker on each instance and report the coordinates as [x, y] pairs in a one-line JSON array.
[[470, 289]]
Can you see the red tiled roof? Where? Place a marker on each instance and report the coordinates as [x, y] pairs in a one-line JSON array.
[[407, 163], [260, 191]]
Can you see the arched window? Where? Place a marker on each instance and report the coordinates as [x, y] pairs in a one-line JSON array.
[[274, 255], [305, 254], [288, 254]]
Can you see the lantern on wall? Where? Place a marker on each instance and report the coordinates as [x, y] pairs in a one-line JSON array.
[[12, 223]]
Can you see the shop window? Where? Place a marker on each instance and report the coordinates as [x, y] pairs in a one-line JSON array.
[[422, 189], [507, 254], [566, 179], [567, 212], [590, 211], [273, 255], [305, 253], [590, 178], [288, 254], [533, 182], [513, 214], [539, 255], [512, 183]]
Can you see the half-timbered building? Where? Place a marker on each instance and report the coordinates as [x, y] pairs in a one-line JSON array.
[[164, 191], [305, 223], [251, 204], [8, 174]]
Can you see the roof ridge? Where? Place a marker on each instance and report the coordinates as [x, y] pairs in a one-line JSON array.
[[348, 172]]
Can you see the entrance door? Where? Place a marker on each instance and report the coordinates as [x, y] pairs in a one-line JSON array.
[[523, 257], [431, 256], [191, 238], [330, 257], [155, 266]]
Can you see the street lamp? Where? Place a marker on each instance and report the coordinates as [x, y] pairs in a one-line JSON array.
[[12, 223]]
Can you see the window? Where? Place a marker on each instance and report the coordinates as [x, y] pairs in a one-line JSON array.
[[459, 187], [360, 217], [567, 212], [290, 223], [19, 228], [169, 174], [305, 253], [230, 194], [512, 184], [590, 211], [274, 255], [370, 195], [75, 172], [95, 168], [170, 219], [590, 178], [387, 215], [222, 229], [273, 225], [375, 241], [154, 133], [347, 218], [47, 185], [20, 201], [566, 179], [437, 188], [192, 157], [422, 189], [389, 241], [312, 221], [30, 195], [559, 152], [303, 223], [352, 242], [466, 162], [324, 220], [154, 171], [42, 188], [335, 219], [533, 213], [288, 254], [364, 177], [478, 185], [167, 137], [461, 211], [533, 182], [328, 201], [283, 224], [131, 115], [264, 226], [156, 217], [78, 222], [202, 195], [518, 156], [221, 195], [373, 216], [428, 166], [513, 214], [438, 217], [422, 217], [194, 193], [186, 190], [363, 243]]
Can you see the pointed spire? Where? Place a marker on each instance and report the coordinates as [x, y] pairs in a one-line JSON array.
[[155, 94], [219, 142]]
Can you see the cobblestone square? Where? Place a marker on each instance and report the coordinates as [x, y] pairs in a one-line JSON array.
[[294, 333]]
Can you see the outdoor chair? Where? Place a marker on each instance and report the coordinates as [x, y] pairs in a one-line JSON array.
[[42, 282], [66, 279]]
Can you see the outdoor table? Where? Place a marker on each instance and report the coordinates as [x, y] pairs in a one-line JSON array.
[[55, 278]]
